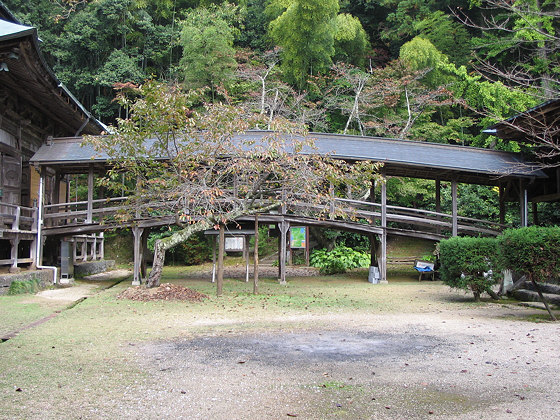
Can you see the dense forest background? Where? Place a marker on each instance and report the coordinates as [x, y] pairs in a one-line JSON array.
[[427, 70]]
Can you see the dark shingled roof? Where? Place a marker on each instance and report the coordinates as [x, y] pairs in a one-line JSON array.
[[401, 157], [30, 78]]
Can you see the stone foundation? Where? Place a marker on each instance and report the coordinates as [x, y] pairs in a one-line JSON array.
[[45, 276], [93, 267]]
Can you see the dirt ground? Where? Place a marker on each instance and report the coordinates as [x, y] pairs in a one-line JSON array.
[[420, 352], [461, 365]]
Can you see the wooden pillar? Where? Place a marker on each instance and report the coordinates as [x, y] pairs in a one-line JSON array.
[[438, 204], [221, 246], [383, 265], [307, 251], [256, 256], [523, 204], [84, 248], [502, 198], [94, 247], [102, 245], [246, 252], [535, 213], [143, 267], [455, 224], [89, 217], [214, 243], [14, 254], [138, 255], [284, 227]]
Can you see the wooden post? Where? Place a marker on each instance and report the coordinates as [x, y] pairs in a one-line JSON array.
[[89, 217], [284, 227], [246, 246], [14, 255], [502, 204], [383, 265], [94, 247], [221, 246], [438, 204], [84, 248], [523, 204], [144, 244], [256, 256], [535, 213], [102, 245], [214, 243], [307, 240], [455, 224], [137, 277]]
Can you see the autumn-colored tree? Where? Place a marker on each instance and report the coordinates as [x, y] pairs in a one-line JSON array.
[[196, 165]]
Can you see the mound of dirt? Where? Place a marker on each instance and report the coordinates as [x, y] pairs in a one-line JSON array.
[[166, 291]]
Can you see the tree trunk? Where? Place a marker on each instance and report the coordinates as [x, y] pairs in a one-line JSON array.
[[157, 266], [543, 300]]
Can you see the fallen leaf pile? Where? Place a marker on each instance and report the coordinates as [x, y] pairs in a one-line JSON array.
[[166, 291]]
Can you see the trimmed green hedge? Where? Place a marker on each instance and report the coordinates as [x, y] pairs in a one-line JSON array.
[[466, 262], [533, 251]]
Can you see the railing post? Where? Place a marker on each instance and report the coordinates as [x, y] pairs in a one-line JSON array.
[[331, 205], [15, 224]]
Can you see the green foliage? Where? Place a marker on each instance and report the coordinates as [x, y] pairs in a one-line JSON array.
[[421, 54], [208, 53], [350, 40], [305, 31], [338, 260], [534, 251], [19, 287], [466, 262]]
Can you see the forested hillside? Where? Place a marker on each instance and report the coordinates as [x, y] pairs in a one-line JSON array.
[[419, 69]]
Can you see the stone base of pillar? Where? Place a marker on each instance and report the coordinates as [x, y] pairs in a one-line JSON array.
[[66, 280], [374, 275], [136, 282], [15, 270]]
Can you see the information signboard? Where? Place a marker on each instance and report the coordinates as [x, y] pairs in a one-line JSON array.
[[298, 237]]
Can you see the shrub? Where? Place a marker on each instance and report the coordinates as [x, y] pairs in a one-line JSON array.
[[466, 263], [19, 287], [533, 251], [338, 260]]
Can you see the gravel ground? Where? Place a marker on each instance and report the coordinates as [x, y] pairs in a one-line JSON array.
[[475, 363]]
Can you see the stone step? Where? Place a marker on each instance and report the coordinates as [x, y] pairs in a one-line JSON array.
[[545, 287], [532, 296]]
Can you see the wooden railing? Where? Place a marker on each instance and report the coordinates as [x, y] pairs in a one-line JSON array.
[[17, 218], [18, 223], [398, 218]]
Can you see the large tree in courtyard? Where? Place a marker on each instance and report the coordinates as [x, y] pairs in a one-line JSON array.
[[195, 166]]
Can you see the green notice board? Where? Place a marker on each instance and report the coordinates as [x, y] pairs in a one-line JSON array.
[[298, 237]]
